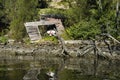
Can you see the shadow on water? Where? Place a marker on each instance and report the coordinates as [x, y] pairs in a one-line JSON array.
[[54, 68]]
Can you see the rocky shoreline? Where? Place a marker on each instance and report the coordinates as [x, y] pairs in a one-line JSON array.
[[46, 54], [52, 50]]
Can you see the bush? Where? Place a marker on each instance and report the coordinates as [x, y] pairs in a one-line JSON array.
[[4, 32], [26, 40], [3, 39], [65, 36], [118, 38], [84, 30]]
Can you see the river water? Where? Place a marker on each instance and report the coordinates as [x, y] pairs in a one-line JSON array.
[[19, 67]]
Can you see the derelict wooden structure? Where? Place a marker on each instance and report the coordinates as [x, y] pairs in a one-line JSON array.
[[34, 32]]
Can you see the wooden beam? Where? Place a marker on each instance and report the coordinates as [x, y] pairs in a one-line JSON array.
[[41, 22]]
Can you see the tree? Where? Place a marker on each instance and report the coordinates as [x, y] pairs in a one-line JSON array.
[[76, 12], [3, 21], [19, 12], [42, 4], [101, 12]]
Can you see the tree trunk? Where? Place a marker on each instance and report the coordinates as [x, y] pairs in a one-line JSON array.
[[117, 17]]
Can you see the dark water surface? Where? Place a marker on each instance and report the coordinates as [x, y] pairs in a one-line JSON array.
[[37, 68]]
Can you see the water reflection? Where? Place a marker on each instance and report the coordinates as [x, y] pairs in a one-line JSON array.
[[32, 74], [52, 68]]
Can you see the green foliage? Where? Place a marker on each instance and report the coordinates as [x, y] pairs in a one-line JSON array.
[[19, 12], [3, 32], [108, 17], [65, 36], [84, 30], [118, 37], [75, 14], [51, 39], [26, 40], [42, 3], [3, 20], [1, 9], [87, 18], [83, 19], [3, 39], [17, 29]]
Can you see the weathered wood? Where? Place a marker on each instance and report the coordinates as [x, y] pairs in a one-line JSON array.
[[64, 49], [109, 47], [33, 32], [41, 22], [108, 35], [87, 51], [101, 53], [104, 54]]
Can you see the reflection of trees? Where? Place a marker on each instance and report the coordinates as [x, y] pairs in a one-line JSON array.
[[64, 68], [3, 73], [17, 72], [11, 72]]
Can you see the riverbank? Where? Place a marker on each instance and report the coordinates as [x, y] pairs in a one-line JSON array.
[[49, 56], [55, 50]]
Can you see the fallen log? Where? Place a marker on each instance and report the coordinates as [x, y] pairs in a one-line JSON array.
[[108, 35], [88, 50], [64, 49]]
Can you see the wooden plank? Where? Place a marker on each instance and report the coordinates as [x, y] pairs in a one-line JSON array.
[[41, 22], [34, 36], [31, 29], [33, 32]]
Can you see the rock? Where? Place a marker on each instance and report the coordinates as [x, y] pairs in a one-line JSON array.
[[11, 41]]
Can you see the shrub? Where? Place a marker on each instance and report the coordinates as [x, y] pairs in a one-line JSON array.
[[65, 36], [84, 30], [3, 39]]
